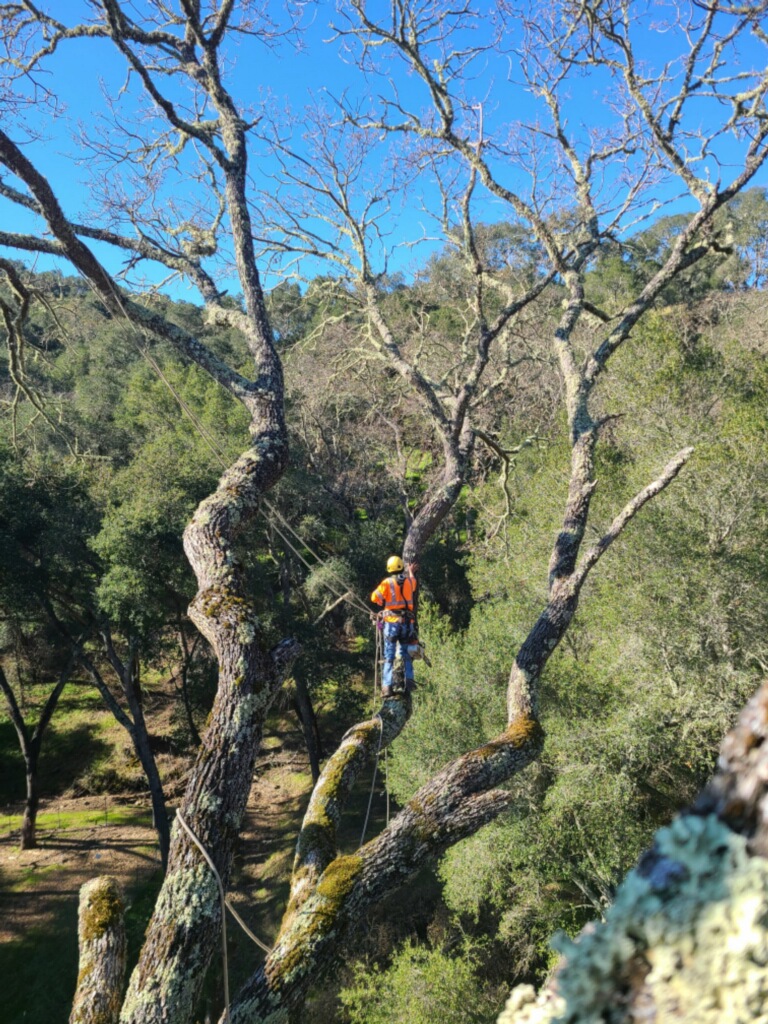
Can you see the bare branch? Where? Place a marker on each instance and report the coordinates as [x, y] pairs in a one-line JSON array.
[[590, 559]]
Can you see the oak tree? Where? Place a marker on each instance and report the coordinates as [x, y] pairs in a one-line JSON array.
[[573, 189]]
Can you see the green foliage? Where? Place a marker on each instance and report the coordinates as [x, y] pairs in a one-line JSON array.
[[668, 643], [422, 986], [622, 269], [669, 638]]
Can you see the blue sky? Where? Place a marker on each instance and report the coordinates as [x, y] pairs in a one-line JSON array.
[[85, 74]]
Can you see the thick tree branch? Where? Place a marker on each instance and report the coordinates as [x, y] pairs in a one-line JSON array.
[[454, 804], [119, 305], [317, 845]]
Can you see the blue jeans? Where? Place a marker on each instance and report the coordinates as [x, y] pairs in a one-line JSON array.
[[397, 636]]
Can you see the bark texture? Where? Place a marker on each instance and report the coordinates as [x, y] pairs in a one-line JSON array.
[[331, 893], [134, 723], [103, 952]]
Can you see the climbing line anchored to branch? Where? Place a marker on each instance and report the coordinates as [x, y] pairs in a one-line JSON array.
[[373, 780]]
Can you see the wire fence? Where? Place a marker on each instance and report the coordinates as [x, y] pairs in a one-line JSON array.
[[93, 812]]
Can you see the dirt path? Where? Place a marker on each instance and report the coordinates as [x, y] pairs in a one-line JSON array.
[[36, 885]]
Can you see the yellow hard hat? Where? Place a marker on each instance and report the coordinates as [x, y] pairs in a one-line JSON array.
[[395, 564]]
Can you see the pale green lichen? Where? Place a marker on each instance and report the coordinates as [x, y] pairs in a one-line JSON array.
[[188, 900], [337, 881], [246, 632], [524, 1006], [321, 916], [689, 939], [208, 801], [245, 711], [102, 908]]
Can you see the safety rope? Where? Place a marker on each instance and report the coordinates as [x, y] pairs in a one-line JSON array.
[[223, 899], [225, 905], [376, 680], [376, 666], [373, 780], [386, 779], [348, 594]]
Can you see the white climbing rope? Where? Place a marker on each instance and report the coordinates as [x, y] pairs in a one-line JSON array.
[[386, 778], [225, 905], [373, 781], [376, 665], [223, 899]]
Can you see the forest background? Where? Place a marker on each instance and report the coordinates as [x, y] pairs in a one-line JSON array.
[[108, 448]]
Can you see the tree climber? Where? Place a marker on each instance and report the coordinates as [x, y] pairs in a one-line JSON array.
[[396, 596]]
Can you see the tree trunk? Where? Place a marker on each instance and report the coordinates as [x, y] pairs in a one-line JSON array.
[[306, 715], [103, 949], [143, 748], [141, 745], [28, 827], [444, 494], [183, 932], [136, 726], [31, 743], [194, 734], [187, 655]]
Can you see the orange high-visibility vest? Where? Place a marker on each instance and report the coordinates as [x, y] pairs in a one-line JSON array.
[[395, 598]]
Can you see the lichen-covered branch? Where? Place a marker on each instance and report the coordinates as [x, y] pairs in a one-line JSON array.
[[628, 513], [567, 576], [454, 804], [103, 953], [317, 845]]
